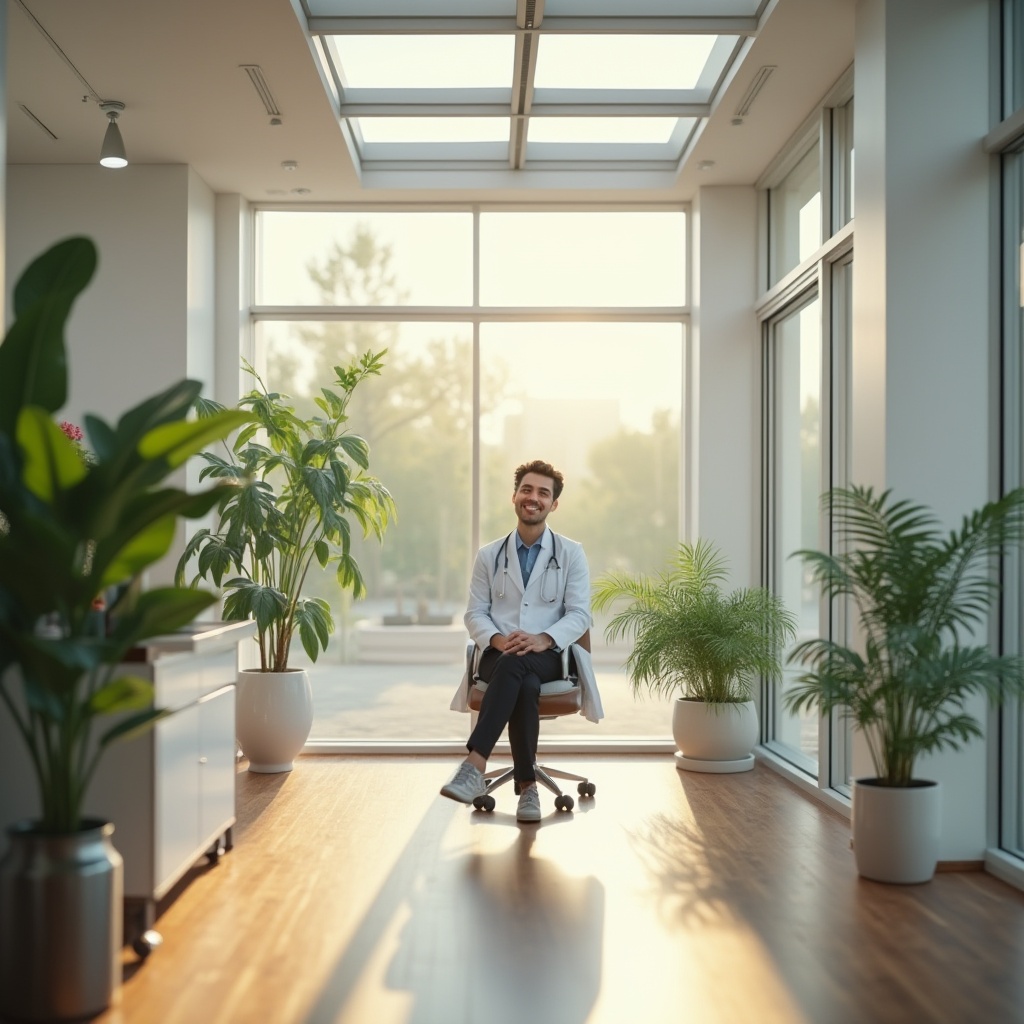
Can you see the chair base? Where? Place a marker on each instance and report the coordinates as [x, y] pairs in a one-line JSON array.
[[546, 776]]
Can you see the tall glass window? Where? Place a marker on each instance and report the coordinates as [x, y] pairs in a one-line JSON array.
[[1011, 817], [796, 471], [794, 216], [840, 767], [807, 331], [572, 353], [842, 165]]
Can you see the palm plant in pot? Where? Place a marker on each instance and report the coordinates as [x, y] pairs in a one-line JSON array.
[[919, 595], [70, 528], [692, 638], [309, 479]]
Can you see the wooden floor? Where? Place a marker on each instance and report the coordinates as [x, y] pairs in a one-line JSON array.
[[356, 894]]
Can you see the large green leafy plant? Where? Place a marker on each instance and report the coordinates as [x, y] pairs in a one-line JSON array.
[[689, 635], [920, 595], [71, 529], [309, 479]]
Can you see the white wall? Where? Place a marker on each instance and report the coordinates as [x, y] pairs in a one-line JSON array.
[[923, 337], [723, 422], [147, 319]]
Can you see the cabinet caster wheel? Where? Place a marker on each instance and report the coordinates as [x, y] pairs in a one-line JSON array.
[[586, 789], [147, 942], [213, 853], [564, 802]]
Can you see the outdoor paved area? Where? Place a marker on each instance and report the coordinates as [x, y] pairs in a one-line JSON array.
[[384, 702]]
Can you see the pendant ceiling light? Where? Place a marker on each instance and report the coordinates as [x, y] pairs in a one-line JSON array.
[[112, 151]]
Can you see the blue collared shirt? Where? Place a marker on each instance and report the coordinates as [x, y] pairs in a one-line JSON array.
[[527, 556]]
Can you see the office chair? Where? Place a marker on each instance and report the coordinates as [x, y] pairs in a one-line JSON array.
[[557, 698]]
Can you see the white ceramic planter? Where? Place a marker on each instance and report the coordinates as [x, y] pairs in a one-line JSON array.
[[897, 831], [273, 716], [714, 737]]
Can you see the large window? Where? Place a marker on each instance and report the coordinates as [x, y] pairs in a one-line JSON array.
[[795, 365], [501, 347], [806, 326], [1011, 817], [794, 216]]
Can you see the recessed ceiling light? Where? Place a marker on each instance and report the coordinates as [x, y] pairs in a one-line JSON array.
[[301, 191]]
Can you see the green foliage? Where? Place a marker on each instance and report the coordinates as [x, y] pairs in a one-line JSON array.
[[690, 636], [919, 594], [308, 481], [70, 529]]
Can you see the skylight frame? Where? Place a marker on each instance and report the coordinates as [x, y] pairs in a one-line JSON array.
[[521, 101]]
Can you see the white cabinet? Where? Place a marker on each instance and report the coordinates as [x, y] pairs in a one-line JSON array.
[[169, 792]]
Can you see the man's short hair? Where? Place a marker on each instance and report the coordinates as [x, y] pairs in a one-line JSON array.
[[541, 468]]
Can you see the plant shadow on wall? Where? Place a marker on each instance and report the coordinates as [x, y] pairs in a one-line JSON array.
[[921, 597], [71, 529], [308, 482]]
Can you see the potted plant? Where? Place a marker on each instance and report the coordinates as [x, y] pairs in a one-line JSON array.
[[691, 637], [919, 594], [70, 528], [309, 480]]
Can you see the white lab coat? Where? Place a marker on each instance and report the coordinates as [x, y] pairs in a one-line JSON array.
[[556, 602]]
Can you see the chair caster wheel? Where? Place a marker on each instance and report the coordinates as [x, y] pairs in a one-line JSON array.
[[564, 802], [483, 803], [586, 789], [147, 942]]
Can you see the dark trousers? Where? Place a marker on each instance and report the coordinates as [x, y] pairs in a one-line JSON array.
[[513, 699]]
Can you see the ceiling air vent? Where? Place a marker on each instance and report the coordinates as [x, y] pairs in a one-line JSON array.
[[259, 83], [762, 76]]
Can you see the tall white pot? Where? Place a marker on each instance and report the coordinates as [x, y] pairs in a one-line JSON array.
[[714, 737], [273, 716], [897, 830]]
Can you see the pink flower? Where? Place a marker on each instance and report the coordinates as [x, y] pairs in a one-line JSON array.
[[73, 433]]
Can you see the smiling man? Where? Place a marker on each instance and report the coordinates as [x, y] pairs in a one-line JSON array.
[[528, 599]]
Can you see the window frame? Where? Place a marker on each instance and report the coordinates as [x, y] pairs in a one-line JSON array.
[[475, 315], [829, 128]]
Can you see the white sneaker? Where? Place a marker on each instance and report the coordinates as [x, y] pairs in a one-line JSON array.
[[466, 784], [529, 805]]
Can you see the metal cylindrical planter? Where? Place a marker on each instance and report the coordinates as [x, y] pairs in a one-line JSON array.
[[897, 830], [61, 906], [273, 717]]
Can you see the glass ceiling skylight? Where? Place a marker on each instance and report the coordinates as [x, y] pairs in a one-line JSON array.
[[436, 86], [621, 62], [434, 129], [602, 129], [424, 61]]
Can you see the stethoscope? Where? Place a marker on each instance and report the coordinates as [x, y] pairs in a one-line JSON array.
[[552, 560]]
